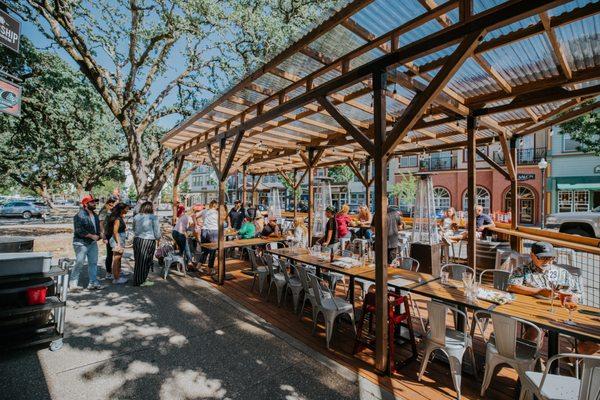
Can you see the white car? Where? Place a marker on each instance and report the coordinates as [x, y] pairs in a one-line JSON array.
[[584, 223]]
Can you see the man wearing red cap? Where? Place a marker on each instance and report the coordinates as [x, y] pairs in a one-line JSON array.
[[86, 233]]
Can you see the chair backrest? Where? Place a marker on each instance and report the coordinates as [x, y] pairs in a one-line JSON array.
[[270, 264], [272, 246], [303, 275], [505, 335], [565, 256], [499, 278], [317, 289], [457, 270], [590, 379], [437, 321], [408, 263], [506, 260], [252, 257], [283, 267]]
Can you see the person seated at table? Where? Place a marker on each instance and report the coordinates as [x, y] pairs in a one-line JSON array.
[[449, 226], [330, 240], [248, 230], [343, 221], [483, 222], [271, 229], [534, 279], [259, 224], [251, 212], [364, 218], [299, 236]]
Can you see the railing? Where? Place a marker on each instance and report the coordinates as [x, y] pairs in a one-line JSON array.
[[524, 156], [438, 164], [572, 250]]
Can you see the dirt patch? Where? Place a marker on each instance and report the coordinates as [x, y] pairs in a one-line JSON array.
[[24, 230]]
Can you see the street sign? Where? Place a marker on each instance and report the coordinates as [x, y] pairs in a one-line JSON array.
[[10, 98], [10, 31], [597, 169], [525, 177]]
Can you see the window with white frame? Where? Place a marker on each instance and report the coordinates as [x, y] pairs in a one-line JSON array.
[[408, 161], [569, 145], [441, 199], [565, 200], [483, 199], [573, 200]]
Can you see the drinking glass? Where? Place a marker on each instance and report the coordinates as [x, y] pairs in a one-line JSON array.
[[445, 275], [571, 304]]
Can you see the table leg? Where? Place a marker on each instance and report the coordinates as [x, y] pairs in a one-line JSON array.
[[460, 320], [318, 271], [553, 349], [351, 291]]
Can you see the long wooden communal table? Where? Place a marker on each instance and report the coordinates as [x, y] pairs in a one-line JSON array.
[[366, 272], [243, 242]]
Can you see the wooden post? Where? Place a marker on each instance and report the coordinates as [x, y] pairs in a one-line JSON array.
[[221, 231], [244, 186], [252, 191], [515, 242], [311, 198], [176, 176], [294, 188], [471, 191], [367, 181], [380, 220]]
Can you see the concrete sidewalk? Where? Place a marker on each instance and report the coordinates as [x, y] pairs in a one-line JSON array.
[[180, 339]]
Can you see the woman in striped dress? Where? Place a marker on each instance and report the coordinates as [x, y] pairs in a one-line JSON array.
[[146, 235]]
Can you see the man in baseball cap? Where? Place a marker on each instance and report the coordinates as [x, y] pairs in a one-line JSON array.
[[86, 233]]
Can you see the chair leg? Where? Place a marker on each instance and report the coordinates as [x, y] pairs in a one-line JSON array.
[[351, 315], [456, 372], [488, 374], [296, 300], [262, 278], [253, 283], [315, 318], [303, 305], [329, 324], [473, 362], [424, 361]]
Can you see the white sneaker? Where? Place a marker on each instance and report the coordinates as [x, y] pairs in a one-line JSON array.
[[120, 281], [95, 286], [73, 287], [109, 277]]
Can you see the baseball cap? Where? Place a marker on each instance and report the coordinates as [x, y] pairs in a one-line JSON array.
[[87, 199], [237, 202], [330, 209], [543, 249]]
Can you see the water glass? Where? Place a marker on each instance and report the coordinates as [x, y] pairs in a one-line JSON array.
[[444, 275]]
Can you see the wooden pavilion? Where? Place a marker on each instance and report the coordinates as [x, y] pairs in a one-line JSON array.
[[388, 78]]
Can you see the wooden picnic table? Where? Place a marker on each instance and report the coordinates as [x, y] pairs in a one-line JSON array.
[[228, 244]]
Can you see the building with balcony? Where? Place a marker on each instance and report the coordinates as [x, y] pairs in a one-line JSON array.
[[574, 177], [449, 170]]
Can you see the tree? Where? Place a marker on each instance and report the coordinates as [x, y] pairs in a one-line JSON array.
[[340, 174], [151, 60], [585, 130], [406, 190], [64, 135]]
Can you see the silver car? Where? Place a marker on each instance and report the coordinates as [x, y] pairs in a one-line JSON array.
[[25, 209]]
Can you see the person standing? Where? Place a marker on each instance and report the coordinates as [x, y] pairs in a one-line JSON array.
[[118, 227], [105, 234], [146, 235], [330, 239], [394, 225], [235, 218], [180, 233], [86, 233], [210, 232], [251, 212], [300, 237], [343, 221]]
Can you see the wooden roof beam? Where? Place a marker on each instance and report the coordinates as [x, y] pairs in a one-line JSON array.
[[559, 54]]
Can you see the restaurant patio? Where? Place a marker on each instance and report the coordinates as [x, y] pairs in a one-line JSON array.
[[382, 79]]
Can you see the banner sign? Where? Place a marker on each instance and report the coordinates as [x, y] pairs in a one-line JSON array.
[[525, 177], [10, 31], [10, 98]]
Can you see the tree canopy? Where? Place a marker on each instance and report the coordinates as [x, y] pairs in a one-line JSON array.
[[65, 134], [152, 60], [586, 131]]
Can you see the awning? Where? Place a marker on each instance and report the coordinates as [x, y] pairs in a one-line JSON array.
[[578, 186]]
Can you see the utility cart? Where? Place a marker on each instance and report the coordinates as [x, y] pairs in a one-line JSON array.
[[23, 325]]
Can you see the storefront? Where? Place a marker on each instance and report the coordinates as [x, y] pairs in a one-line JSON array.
[[576, 193]]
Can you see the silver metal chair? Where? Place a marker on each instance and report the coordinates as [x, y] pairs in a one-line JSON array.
[[546, 386], [277, 278], [259, 272], [293, 283]]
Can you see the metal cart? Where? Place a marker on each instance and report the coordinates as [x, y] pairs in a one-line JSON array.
[[51, 332]]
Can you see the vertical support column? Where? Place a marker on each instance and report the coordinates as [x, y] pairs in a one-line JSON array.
[[244, 186], [471, 191], [515, 242], [311, 198], [253, 191], [221, 231], [294, 188], [367, 179], [380, 221], [176, 176]]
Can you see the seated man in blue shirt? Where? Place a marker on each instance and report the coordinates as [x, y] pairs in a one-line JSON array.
[[482, 221]]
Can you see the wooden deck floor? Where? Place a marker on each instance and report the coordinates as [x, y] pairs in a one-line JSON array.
[[436, 383]]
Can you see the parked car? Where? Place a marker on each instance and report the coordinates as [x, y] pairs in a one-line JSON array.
[[25, 209], [583, 223]]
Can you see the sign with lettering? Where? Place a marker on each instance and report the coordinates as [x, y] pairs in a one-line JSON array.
[[525, 177], [597, 169], [10, 31], [10, 98]]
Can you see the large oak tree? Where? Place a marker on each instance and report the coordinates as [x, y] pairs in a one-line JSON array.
[[161, 59]]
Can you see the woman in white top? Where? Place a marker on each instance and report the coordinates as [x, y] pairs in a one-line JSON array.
[[300, 237], [180, 233], [210, 232]]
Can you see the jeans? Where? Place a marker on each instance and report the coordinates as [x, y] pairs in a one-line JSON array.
[[108, 260], [209, 236], [184, 249], [81, 252]]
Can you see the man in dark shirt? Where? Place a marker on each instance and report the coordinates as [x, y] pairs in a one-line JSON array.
[[271, 228], [86, 233], [251, 212], [236, 216], [482, 221], [330, 239]]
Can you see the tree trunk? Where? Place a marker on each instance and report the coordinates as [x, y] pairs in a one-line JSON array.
[[44, 193]]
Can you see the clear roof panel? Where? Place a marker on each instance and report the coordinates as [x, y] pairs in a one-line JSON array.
[[580, 42]]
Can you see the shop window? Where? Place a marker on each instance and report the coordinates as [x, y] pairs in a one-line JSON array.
[[408, 161], [483, 199], [526, 204], [569, 145], [441, 199]]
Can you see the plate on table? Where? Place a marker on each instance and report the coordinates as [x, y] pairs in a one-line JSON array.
[[494, 296]]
